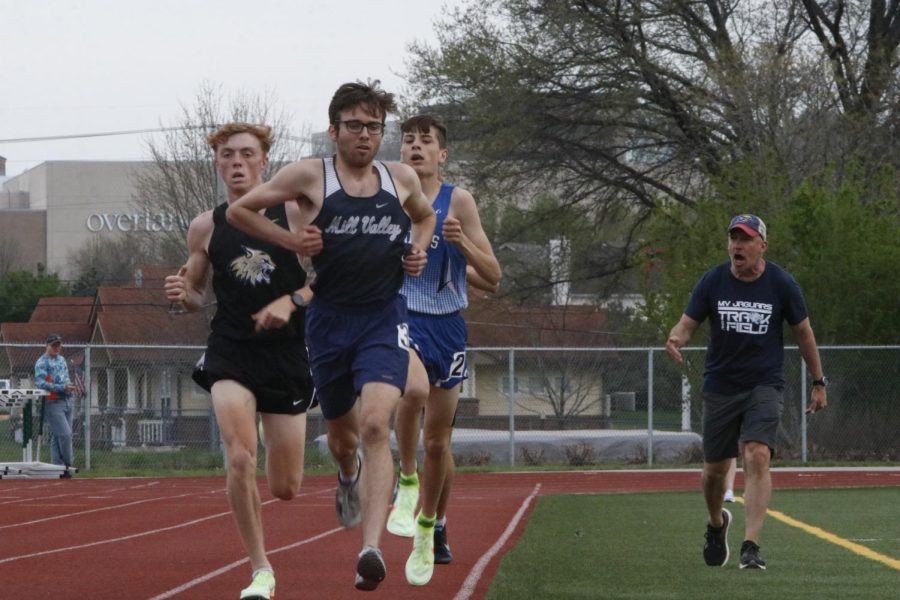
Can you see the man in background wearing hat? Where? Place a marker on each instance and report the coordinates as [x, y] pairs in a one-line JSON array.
[[746, 300], [52, 374]]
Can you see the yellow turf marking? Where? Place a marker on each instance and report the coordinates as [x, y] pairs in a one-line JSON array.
[[834, 539]]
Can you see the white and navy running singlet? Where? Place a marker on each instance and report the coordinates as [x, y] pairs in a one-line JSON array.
[[363, 243]]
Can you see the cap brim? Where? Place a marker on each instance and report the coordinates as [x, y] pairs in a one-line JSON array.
[[746, 229]]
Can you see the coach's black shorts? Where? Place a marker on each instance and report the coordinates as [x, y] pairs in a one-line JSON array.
[[277, 372], [750, 416]]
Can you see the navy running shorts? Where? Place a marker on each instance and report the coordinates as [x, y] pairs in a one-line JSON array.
[[440, 342], [350, 348]]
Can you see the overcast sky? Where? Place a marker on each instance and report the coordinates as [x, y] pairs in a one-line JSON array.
[[91, 66]]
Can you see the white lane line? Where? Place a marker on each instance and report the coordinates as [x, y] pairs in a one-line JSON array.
[[96, 510], [194, 582], [129, 537], [468, 586]]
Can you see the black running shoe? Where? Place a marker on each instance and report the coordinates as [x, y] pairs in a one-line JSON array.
[[715, 551], [750, 558], [442, 555]]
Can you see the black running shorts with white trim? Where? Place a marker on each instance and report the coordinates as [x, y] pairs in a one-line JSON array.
[[276, 371]]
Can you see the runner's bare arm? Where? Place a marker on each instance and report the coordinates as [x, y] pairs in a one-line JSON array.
[[187, 287], [462, 227], [294, 181]]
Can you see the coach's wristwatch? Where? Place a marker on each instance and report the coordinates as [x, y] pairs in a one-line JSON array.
[[298, 300], [823, 382]]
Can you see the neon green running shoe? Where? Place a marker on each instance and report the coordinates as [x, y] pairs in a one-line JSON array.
[[261, 588], [402, 520], [420, 564]]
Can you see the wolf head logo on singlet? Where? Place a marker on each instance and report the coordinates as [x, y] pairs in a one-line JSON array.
[[254, 267]]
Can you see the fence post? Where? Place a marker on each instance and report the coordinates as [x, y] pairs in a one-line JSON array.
[[803, 441], [685, 403], [88, 407], [650, 407], [512, 407]]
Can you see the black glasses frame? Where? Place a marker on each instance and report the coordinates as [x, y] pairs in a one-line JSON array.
[[373, 127]]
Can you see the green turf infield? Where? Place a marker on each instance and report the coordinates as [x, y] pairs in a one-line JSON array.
[[647, 546]]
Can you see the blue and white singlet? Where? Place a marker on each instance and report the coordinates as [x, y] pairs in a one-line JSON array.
[[441, 288]]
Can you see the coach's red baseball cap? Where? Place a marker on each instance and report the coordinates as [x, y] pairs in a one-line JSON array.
[[749, 224]]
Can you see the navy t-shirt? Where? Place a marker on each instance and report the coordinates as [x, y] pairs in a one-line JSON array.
[[746, 347]]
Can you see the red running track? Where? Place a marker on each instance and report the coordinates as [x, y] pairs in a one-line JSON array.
[[174, 537]]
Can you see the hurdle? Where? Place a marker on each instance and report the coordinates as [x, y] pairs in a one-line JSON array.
[[28, 468]]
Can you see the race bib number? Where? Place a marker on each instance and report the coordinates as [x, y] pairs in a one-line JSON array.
[[403, 336], [457, 365]]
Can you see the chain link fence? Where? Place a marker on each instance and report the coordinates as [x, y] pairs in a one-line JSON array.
[[140, 410]]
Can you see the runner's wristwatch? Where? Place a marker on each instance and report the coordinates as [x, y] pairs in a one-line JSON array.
[[822, 382], [298, 300]]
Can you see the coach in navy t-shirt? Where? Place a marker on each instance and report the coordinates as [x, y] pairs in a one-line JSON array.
[[746, 301]]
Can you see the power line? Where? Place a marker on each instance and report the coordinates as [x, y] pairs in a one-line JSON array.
[[74, 136], [101, 134]]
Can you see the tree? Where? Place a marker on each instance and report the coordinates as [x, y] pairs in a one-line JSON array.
[[547, 246], [562, 384], [21, 290], [110, 260], [183, 181], [10, 254], [635, 106], [837, 234]]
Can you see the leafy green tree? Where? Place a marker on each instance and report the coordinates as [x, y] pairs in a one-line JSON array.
[[635, 108], [844, 250], [21, 290], [837, 234]]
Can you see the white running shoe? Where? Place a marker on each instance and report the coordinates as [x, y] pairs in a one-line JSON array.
[[261, 588], [420, 564], [402, 520]]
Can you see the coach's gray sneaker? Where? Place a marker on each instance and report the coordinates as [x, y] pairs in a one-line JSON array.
[[346, 499], [715, 551], [750, 558], [370, 569]]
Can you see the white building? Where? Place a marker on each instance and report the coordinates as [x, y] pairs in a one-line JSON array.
[[48, 212]]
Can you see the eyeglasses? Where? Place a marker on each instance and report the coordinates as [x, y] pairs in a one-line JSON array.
[[373, 127]]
